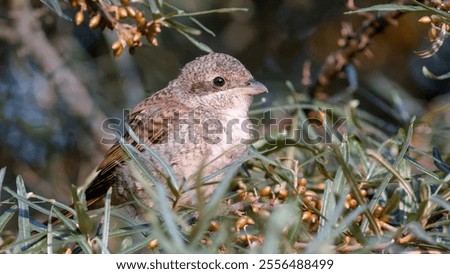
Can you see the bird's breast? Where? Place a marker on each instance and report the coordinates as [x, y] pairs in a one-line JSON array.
[[207, 142]]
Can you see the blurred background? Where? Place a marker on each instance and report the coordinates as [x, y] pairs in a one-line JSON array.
[[59, 82]]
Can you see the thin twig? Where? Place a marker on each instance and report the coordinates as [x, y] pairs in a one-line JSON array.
[[351, 45]]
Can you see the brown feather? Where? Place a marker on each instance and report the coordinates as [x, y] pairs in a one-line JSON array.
[[150, 123]]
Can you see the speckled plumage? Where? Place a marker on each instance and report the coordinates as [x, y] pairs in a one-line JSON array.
[[195, 124]]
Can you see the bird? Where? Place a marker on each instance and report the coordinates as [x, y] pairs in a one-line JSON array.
[[198, 124]]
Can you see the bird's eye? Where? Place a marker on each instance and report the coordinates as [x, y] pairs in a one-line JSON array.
[[219, 81]]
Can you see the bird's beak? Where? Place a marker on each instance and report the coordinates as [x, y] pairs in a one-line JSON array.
[[253, 87]]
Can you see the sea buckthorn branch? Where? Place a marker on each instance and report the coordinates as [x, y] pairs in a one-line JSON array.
[[350, 44]]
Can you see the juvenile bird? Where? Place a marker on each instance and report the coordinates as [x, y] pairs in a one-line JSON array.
[[198, 124]]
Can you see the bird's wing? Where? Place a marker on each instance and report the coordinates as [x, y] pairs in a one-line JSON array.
[[150, 122]]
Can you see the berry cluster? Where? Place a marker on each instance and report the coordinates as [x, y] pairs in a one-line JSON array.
[[439, 27], [128, 21]]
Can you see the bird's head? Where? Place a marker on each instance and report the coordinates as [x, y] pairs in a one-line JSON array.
[[217, 80]]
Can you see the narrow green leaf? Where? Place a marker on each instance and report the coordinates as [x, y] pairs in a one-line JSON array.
[[438, 162], [349, 219], [323, 170], [55, 6], [422, 168], [50, 232], [330, 132], [198, 44], [223, 10], [364, 160], [417, 229], [161, 218], [389, 175], [419, 214], [333, 187], [52, 202], [74, 194], [328, 204], [203, 27], [355, 190], [388, 7], [441, 202], [23, 245], [24, 212], [207, 212], [167, 215], [126, 231], [154, 7], [184, 28], [84, 244], [167, 168], [392, 203], [86, 225], [325, 239], [6, 216], [106, 222], [438, 224], [424, 192], [133, 153], [2, 177], [282, 216], [393, 171], [26, 201], [67, 222]]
